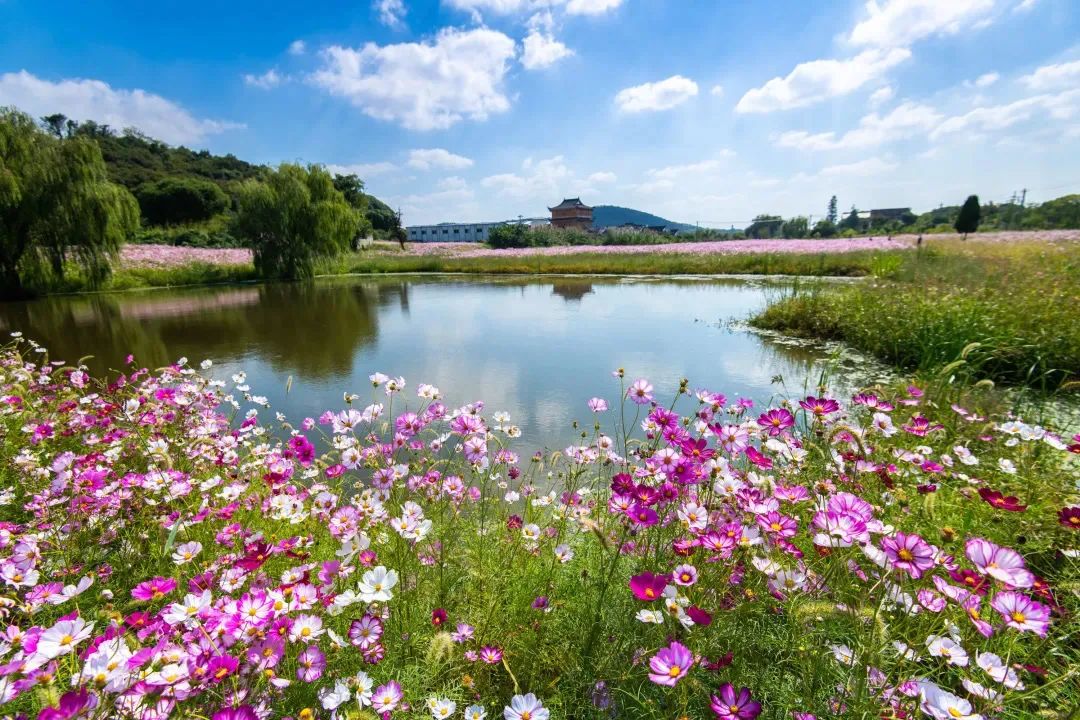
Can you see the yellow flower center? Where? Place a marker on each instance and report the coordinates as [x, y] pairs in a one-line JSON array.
[[674, 671], [1018, 616], [906, 555]]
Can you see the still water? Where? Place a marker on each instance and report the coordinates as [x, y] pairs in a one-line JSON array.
[[536, 348]]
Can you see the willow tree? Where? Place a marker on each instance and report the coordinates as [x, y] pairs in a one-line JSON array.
[[58, 209], [291, 218]]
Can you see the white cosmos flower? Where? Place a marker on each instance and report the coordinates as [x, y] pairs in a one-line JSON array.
[[376, 584], [332, 699]]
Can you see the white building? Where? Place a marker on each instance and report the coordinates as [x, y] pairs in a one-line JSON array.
[[451, 232]]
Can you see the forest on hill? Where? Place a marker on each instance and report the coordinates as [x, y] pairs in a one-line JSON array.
[[188, 197]]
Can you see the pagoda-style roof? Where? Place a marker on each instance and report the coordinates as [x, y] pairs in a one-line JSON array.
[[571, 204]]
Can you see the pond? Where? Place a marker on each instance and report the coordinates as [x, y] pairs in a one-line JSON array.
[[537, 348]]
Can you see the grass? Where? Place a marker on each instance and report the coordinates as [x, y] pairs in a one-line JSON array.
[[1007, 313]]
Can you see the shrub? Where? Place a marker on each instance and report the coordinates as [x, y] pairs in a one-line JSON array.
[[176, 200]]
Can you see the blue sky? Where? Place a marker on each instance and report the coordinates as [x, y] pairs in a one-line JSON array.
[[705, 111]]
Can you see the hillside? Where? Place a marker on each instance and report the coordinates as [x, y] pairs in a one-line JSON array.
[[613, 215]]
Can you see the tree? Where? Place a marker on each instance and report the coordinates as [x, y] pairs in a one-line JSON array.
[[57, 207], [176, 200], [56, 124], [831, 215], [851, 222], [293, 217], [825, 229], [796, 227], [968, 220], [512, 235], [765, 226]]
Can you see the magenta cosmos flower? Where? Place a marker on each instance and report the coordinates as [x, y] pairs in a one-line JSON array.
[[154, 589], [244, 712], [670, 664], [648, 587], [311, 663], [776, 421], [999, 563], [819, 406], [386, 697], [1000, 501], [1070, 517], [1022, 613], [72, 704], [909, 553], [641, 392], [491, 654], [732, 704]]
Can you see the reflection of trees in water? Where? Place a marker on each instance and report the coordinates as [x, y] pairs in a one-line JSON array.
[[309, 328], [570, 289]]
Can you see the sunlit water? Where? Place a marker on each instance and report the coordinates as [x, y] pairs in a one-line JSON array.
[[536, 348]]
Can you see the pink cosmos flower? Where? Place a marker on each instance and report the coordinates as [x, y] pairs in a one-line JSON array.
[[491, 654], [670, 664], [730, 704], [641, 392], [154, 589], [386, 697], [648, 587], [244, 712], [1000, 563], [366, 631], [820, 407], [774, 523], [1022, 613], [776, 421], [310, 663], [909, 552], [597, 405], [72, 704]]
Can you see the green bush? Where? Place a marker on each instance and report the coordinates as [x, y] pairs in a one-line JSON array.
[[177, 200]]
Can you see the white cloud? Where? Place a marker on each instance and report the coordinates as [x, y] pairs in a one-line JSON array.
[[1060, 106], [1054, 76], [904, 121], [391, 12], [986, 80], [662, 95], [363, 170], [545, 178], [452, 200], [1025, 5], [269, 79], [542, 50], [591, 7], [881, 96], [508, 7], [717, 91], [297, 47], [899, 23], [437, 158], [601, 177], [82, 99], [423, 86], [818, 80], [862, 168], [685, 176]]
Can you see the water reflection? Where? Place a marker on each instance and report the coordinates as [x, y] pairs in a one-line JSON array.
[[537, 348]]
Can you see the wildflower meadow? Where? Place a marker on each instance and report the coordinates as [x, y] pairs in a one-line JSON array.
[[172, 548]]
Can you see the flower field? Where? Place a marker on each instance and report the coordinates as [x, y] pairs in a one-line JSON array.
[[169, 547]]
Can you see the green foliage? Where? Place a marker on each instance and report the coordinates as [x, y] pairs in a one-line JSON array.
[[765, 226], [176, 200], [968, 220], [831, 215], [511, 236], [292, 218], [825, 229], [57, 207], [1016, 301]]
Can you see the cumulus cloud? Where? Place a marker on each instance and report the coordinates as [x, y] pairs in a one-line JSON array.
[[591, 7], [537, 179], [1050, 77], [542, 50], [862, 168], [391, 12], [881, 96], [362, 170], [818, 80], [899, 23], [425, 85], [437, 158], [84, 99], [602, 177], [297, 47], [269, 79], [508, 7], [905, 121], [1061, 106], [662, 95], [986, 80], [717, 91]]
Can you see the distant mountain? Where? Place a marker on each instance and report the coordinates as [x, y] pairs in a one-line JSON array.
[[613, 215]]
